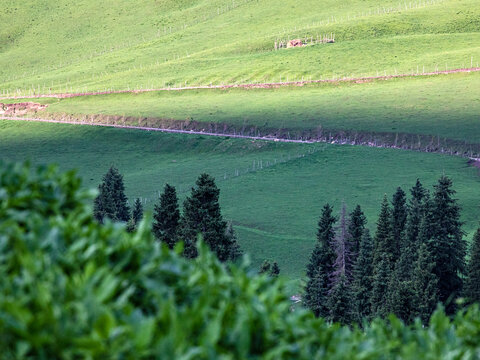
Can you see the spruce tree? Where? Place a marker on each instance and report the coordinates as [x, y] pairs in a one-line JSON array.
[[339, 302], [320, 266], [202, 216], [448, 245], [425, 284], [380, 287], [472, 282], [275, 271], [401, 295], [362, 278], [357, 224], [234, 248], [111, 201], [137, 212], [415, 211], [399, 219], [343, 264], [323, 252], [316, 293], [383, 260], [166, 217], [384, 246], [265, 267], [418, 207]]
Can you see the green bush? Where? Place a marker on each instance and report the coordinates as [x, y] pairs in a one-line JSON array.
[[73, 289]]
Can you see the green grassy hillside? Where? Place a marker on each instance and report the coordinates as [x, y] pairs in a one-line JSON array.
[[121, 44], [272, 191], [446, 106]]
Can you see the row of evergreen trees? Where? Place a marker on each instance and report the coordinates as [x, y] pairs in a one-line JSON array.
[[415, 260], [201, 215]]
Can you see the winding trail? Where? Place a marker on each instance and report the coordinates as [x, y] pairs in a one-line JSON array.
[[245, 86]]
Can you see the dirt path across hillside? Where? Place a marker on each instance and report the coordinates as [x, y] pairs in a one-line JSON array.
[[246, 86]]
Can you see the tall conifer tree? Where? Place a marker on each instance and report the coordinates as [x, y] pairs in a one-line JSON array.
[[380, 287], [448, 245], [418, 208], [234, 248], [320, 266], [472, 283], [202, 216], [356, 228], [399, 219], [137, 212], [166, 217], [425, 284], [111, 201], [343, 264], [339, 302], [383, 260], [362, 278], [384, 246], [415, 211]]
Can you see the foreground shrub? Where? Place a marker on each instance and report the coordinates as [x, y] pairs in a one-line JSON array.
[[73, 289]]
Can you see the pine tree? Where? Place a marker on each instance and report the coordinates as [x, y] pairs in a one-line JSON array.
[[137, 212], [343, 264], [448, 245], [384, 246], [235, 251], [316, 293], [111, 201], [357, 224], [472, 282], [380, 286], [130, 226], [202, 216], [323, 253], [339, 302], [425, 284], [418, 208], [399, 219], [320, 266], [383, 260], [275, 271], [166, 217], [362, 278], [401, 295], [415, 211], [265, 267]]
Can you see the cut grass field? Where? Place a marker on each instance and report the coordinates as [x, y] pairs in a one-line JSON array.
[[274, 208]]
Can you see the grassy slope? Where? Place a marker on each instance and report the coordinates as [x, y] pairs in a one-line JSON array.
[[445, 106], [122, 44], [274, 209]]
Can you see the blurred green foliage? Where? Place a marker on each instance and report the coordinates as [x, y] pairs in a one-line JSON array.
[[73, 289]]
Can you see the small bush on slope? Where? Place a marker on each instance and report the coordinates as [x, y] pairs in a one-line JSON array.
[[71, 288]]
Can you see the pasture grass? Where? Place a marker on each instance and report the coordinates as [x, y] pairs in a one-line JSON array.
[[274, 208], [445, 106], [57, 46]]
